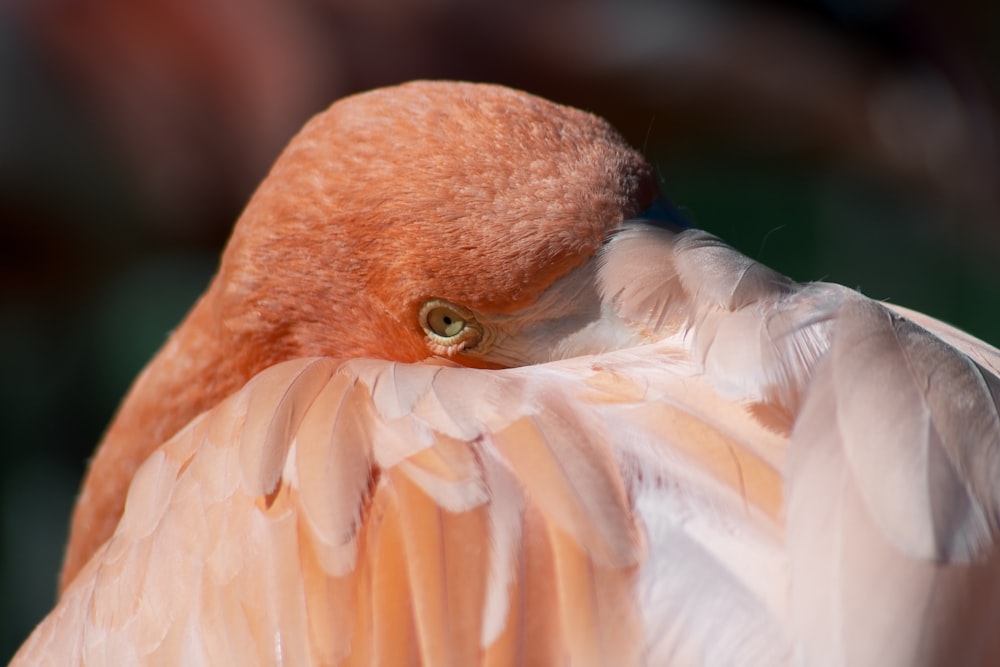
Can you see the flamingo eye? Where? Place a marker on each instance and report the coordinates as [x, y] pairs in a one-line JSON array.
[[449, 326], [445, 322]]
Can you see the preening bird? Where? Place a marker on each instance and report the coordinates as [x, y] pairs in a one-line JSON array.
[[459, 395]]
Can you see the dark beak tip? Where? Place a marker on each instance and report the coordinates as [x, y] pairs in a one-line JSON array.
[[664, 213]]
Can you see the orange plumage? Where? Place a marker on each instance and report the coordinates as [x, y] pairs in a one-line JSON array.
[[448, 401], [359, 222]]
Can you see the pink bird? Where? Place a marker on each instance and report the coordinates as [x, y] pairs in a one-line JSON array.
[[457, 396]]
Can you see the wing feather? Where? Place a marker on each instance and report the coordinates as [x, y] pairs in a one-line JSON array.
[[630, 507], [892, 499], [982, 353], [333, 472], [383, 539], [596, 604], [446, 553], [892, 507], [384, 598], [921, 431], [271, 419], [575, 484], [718, 276]]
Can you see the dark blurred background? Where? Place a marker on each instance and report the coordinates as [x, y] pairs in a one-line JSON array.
[[845, 140]]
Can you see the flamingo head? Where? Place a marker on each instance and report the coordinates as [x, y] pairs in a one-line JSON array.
[[431, 219]]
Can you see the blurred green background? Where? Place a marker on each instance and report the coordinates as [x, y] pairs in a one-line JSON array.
[[838, 140]]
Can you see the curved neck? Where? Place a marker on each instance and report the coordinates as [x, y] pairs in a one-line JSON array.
[[192, 372]]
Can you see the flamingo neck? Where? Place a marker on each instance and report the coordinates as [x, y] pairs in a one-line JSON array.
[[194, 370]]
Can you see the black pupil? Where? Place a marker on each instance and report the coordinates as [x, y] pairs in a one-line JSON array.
[[447, 320]]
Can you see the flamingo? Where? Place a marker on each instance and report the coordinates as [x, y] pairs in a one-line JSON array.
[[465, 392]]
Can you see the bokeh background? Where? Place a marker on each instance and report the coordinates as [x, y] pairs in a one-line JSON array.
[[847, 140]]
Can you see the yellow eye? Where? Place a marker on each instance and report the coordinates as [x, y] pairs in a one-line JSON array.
[[450, 327], [445, 322]]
